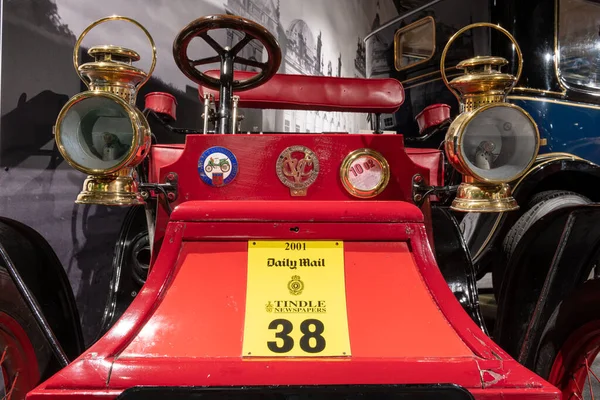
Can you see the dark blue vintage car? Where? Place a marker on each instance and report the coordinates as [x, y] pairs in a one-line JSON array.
[[559, 88]]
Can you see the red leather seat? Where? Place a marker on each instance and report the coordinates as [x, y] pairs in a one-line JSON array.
[[323, 93], [303, 92]]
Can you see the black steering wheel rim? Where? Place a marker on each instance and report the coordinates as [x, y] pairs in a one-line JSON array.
[[253, 31]]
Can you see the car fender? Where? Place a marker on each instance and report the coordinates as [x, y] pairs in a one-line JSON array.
[[551, 171], [553, 258], [48, 281], [455, 262], [128, 275]]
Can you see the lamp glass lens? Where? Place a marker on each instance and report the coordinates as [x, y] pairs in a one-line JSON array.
[[499, 143], [97, 133]]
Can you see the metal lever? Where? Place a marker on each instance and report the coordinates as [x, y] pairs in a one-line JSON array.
[[234, 117], [226, 93], [208, 112]]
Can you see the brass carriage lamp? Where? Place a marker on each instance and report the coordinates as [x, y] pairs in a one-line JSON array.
[[100, 131], [491, 143]]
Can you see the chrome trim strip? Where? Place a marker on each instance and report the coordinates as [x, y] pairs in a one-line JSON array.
[[542, 91], [428, 81], [555, 101], [400, 18]]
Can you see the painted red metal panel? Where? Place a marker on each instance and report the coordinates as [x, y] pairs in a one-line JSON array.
[[257, 179], [290, 211], [546, 393], [479, 394], [91, 370], [165, 159], [295, 231], [390, 311], [324, 93], [414, 233], [257, 157], [203, 315], [226, 372], [430, 159], [185, 326], [161, 155], [58, 394]]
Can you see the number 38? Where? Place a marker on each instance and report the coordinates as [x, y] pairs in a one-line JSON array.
[[311, 329]]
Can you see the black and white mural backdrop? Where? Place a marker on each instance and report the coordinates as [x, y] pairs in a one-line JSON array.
[[318, 37]]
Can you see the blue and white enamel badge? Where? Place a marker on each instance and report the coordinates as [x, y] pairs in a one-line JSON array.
[[217, 166]]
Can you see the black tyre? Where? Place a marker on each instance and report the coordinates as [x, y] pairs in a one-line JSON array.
[[570, 343], [539, 205]]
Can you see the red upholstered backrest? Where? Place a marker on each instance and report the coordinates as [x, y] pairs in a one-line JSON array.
[[323, 93]]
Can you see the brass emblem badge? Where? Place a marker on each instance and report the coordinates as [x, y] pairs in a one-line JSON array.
[[365, 173], [297, 168], [295, 286]]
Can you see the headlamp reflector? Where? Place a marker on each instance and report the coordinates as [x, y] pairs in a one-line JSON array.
[[97, 133], [496, 143]]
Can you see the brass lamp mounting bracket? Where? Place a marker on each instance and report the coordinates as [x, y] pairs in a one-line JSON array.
[[152, 191], [421, 190]]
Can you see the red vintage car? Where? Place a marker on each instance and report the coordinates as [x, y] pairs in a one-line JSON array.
[[303, 270]]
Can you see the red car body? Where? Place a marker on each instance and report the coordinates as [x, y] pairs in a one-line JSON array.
[[184, 331]]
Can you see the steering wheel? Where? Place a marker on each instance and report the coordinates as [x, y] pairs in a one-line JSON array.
[[201, 27]]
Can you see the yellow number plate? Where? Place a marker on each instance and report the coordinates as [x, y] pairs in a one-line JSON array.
[[296, 300]]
